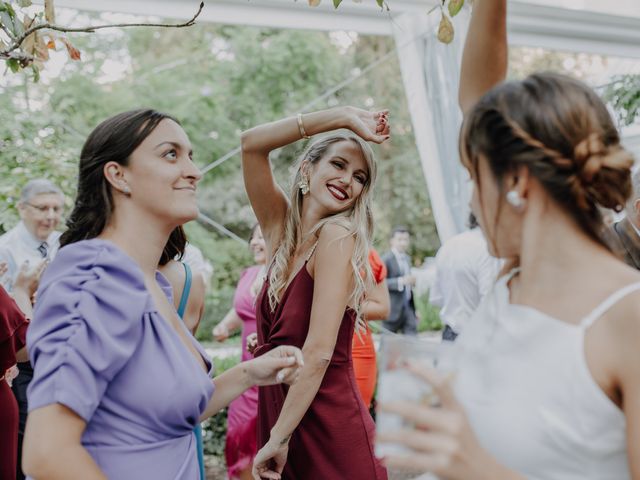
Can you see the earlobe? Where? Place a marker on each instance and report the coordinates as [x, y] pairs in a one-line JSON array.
[[520, 182], [515, 199]]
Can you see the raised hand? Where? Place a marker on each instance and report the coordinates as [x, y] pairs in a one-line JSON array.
[[371, 126], [28, 279], [280, 365]]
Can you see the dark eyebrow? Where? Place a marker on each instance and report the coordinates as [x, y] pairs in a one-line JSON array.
[[347, 161], [175, 145]]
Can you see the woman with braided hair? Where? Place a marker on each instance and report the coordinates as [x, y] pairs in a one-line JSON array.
[[548, 377]]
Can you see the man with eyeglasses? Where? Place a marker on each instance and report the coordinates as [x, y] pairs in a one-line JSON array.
[[31, 242], [34, 239]]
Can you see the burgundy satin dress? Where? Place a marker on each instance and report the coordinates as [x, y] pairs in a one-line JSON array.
[[334, 440], [13, 330]]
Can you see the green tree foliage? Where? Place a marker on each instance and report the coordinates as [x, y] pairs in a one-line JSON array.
[[623, 93], [218, 80], [28, 32]]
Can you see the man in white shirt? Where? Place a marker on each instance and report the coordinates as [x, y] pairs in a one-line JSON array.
[[34, 239], [400, 282], [465, 273]]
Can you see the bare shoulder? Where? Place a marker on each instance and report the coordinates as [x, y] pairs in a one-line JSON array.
[[335, 229], [336, 235], [623, 318], [173, 271]]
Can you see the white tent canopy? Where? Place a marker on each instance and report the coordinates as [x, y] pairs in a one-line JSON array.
[[428, 68], [579, 25]]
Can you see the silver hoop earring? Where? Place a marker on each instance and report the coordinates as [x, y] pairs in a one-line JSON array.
[[304, 186], [515, 200]]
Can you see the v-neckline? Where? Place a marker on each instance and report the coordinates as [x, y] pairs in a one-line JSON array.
[[293, 279]]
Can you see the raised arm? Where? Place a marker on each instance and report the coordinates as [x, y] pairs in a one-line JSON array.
[[484, 61], [268, 200], [333, 280]]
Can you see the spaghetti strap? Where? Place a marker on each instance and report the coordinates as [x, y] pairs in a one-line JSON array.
[[185, 290], [311, 252], [609, 302], [509, 276]]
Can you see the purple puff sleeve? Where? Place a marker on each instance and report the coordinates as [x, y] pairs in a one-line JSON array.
[[87, 323]]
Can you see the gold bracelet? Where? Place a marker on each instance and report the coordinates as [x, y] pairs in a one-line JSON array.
[[303, 133]]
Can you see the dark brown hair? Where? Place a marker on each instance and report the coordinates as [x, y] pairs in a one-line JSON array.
[[560, 130], [174, 249]]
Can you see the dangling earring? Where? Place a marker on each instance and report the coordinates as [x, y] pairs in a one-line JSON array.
[[515, 200], [304, 185]]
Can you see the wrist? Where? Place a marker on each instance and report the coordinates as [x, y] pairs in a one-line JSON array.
[[346, 117], [247, 375], [279, 438], [20, 291]]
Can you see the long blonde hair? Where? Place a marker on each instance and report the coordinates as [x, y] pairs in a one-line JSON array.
[[357, 220]]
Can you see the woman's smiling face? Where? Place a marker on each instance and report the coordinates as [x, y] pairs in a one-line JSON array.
[[338, 179]]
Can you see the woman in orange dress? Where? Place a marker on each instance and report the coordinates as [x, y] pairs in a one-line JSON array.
[[363, 352]]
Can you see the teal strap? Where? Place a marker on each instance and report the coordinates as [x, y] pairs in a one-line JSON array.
[[185, 290], [200, 450]]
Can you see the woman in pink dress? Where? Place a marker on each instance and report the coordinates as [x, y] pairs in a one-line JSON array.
[[241, 447]]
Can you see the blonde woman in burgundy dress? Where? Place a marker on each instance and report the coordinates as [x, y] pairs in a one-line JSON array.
[[317, 241]]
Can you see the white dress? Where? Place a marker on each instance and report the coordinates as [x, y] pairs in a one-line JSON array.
[[530, 397]]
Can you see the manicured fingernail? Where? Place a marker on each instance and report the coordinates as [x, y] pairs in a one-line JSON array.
[[280, 376]]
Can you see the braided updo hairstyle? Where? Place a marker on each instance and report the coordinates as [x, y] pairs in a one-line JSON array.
[[560, 130], [114, 140]]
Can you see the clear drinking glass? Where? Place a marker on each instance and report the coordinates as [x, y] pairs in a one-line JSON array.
[[397, 383]]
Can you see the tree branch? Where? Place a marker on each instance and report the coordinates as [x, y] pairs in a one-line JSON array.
[[18, 41], [6, 30]]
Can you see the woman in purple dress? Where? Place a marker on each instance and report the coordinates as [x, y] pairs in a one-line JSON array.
[[241, 441], [119, 382]]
